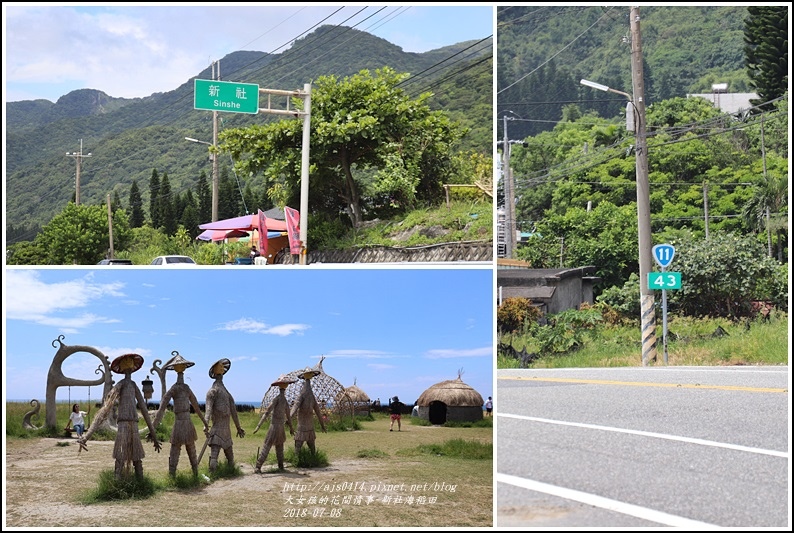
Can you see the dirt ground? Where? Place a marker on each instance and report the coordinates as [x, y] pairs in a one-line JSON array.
[[45, 480]]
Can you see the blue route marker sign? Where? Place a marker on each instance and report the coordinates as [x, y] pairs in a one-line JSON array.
[[663, 254]]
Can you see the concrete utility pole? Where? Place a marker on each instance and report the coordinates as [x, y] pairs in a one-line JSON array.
[[647, 313], [306, 95], [78, 156], [507, 176], [216, 75]]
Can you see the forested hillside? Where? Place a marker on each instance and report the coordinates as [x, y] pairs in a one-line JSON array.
[[544, 51], [129, 138], [711, 175]]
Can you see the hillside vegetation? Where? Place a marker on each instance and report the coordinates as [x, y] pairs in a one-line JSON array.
[[129, 138]]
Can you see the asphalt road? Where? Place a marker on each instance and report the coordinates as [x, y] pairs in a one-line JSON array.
[[644, 447]]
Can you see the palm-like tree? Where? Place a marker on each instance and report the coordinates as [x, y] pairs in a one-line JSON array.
[[768, 200]]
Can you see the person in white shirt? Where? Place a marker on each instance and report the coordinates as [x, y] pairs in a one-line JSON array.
[[76, 419]]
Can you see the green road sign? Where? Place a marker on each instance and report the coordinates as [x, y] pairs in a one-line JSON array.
[[664, 280], [234, 97]]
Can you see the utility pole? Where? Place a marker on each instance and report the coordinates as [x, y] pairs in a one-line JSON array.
[[306, 95], [647, 313], [216, 75], [507, 176], [78, 156]]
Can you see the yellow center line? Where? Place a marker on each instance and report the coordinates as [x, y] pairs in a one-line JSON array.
[[644, 384]]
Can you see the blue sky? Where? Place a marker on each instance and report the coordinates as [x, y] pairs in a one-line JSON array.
[[393, 331], [139, 49]]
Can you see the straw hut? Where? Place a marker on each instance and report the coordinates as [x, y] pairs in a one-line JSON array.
[[358, 400], [450, 400]]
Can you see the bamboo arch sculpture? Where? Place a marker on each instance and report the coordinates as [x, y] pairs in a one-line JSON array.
[[26, 423], [160, 371], [56, 378]]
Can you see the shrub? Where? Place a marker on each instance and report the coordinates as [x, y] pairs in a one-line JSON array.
[[515, 313]]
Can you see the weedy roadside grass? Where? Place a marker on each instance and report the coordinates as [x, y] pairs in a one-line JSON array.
[[690, 342]]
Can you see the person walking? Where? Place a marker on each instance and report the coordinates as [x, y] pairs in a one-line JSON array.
[[395, 413], [276, 436], [183, 432], [76, 419], [128, 448], [305, 407], [220, 410], [489, 407]]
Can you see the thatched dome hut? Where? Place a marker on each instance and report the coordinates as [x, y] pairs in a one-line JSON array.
[[357, 398], [450, 400]]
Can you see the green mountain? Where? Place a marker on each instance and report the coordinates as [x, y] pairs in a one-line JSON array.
[[127, 138], [544, 51]]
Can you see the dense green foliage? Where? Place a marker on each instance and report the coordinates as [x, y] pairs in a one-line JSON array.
[[374, 151], [128, 138], [708, 173], [78, 235], [724, 276]]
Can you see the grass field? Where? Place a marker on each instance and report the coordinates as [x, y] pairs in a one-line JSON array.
[[422, 476], [691, 342]]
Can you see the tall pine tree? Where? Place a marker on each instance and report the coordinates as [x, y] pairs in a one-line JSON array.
[[167, 209], [204, 195], [154, 200], [766, 51], [136, 206]]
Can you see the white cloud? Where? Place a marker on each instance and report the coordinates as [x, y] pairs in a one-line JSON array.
[[247, 325], [359, 354], [32, 300], [486, 351]]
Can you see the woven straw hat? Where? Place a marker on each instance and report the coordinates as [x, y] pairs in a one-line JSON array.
[[309, 373], [226, 366], [283, 381], [177, 360], [137, 360]]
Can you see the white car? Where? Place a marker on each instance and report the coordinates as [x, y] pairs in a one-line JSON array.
[[173, 260]]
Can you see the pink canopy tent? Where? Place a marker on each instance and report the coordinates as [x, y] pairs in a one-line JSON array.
[[245, 223], [219, 234]]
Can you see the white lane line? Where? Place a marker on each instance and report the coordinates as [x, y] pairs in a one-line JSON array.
[[604, 503], [689, 440]]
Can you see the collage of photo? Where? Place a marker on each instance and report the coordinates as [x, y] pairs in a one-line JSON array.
[[476, 266]]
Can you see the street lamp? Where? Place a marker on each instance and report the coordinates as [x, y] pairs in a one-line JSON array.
[[214, 159], [643, 207]]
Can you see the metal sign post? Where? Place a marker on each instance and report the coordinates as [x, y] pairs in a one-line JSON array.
[[663, 254]]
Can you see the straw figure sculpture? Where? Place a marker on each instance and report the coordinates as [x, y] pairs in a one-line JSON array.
[[276, 436], [305, 407], [183, 433], [220, 410], [324, 386], [128, 448]]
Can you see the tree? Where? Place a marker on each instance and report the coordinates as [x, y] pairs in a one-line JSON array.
[[136, 206], [154, 200], [167, 206], [368, 140], [724, 275], [204, 195], [766, 51], [79, 234]]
